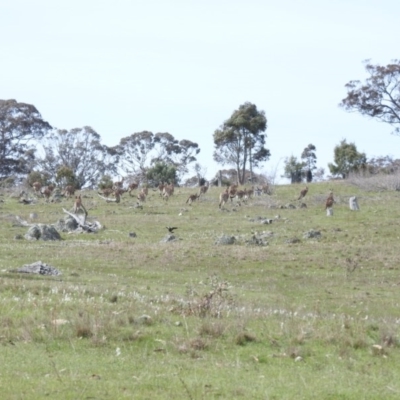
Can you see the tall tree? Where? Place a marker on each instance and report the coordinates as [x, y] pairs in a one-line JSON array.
[[240, 141], [161, 172], [141, 151], [310, 158], [188, 151], [379, 96], [134, 151], [165, 146], [81, 151], [294, 169], [20, 123], [347, 159]]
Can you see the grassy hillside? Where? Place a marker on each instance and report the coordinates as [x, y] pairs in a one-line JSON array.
[[275, 315]]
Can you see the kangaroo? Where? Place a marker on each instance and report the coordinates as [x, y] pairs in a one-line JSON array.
[[78, 205]]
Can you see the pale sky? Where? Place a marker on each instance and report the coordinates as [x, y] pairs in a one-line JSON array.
[[183, 67]]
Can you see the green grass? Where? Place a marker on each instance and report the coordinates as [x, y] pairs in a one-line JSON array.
[[137, 318]]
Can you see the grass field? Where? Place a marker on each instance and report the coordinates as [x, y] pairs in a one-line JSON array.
[[134, 317]]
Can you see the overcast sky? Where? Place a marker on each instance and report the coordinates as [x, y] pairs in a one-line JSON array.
[[183, 67]]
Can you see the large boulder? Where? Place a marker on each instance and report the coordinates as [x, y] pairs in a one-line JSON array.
[[42, 232]]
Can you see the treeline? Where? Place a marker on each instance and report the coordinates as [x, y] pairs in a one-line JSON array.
[[29, 146]]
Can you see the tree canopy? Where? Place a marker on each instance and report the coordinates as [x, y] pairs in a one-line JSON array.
[[161, 172], [240, 141], [143, 150], [347, 160], [19, 124], [294, 169], [80, 151], [310, 159], [379, 96]]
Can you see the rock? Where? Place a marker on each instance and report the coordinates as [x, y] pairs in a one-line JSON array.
[[38, 267], [256, 241], [225, 240], [266, 221], [132, 234], [168, 238], [312, 234], [292, 240], [144, 319], [43, 232]]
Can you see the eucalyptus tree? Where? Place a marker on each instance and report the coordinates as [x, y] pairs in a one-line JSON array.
[[135, 151], [310, 159], [379, 96], [294, 169], [20, 125], [79, 150], [240, 140], [347, 159], [141, 151]]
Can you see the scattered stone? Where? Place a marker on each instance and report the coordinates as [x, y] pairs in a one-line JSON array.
[[43, 232], [144, 319], [38, 267], [169, 238], [18, 237], [293, 240], [266, 234], [256, 241], [266, 221], [303, 205], [225, 240], [58, 322], [312, 234], [132, 234]]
